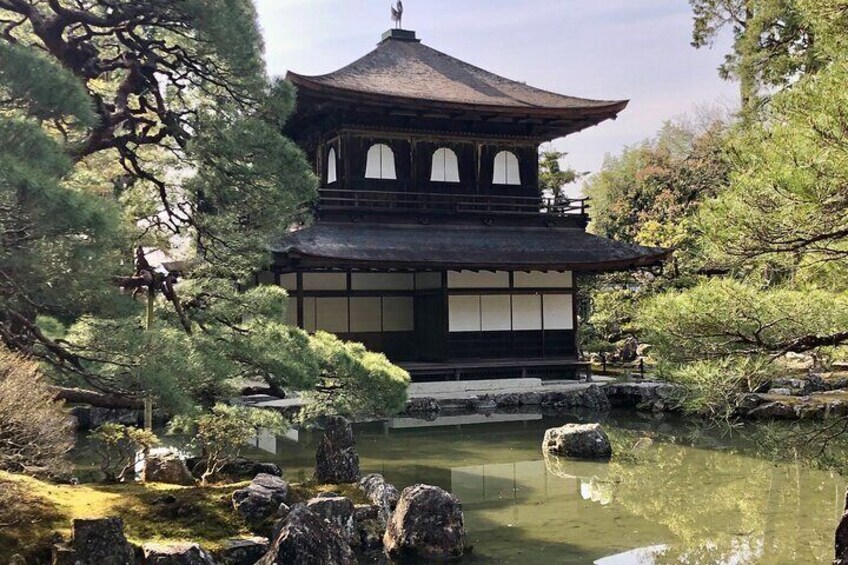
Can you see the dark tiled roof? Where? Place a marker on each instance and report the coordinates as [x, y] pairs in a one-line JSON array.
[[409, 69], [357, 245]]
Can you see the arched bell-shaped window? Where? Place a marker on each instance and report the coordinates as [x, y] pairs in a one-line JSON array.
[[332, 174], [381, 163], [506, 169], [445, 166]]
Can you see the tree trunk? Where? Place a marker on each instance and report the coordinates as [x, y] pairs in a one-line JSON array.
[[94, 398]]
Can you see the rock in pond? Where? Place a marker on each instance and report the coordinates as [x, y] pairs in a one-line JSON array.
[[306, 539], [166, 467], [337, 460], [420, 406], [582, 441], [427, 525], [261, 498], [243, 551], [96, 542], [176, 554], [338, 511], [380, 493]]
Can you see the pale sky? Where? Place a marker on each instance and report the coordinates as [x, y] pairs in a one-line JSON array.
[[607, 49]]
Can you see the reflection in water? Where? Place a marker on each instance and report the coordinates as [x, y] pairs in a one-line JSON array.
[[685, 496], [701, 500]]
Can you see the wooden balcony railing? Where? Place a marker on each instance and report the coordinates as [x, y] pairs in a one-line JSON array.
[[435, 203]]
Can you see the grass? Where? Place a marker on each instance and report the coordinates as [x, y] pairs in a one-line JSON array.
[[31, 510]]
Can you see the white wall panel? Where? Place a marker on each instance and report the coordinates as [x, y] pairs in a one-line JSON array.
[[506, 169], [527, 312], [325, 281], [382, 281], [464, 313], [398, 314], [331, 315], [332, 176], [558, 312], [537, 279], [289, 281], [496, 314], [366, 315], [481, 279], [380, 163], [445, 166]]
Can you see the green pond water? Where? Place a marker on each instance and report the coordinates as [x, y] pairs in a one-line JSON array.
[[685, 496]]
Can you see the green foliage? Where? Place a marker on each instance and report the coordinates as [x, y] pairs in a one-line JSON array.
[[35, 431], [118, 446], [354, 381], [221, 433]]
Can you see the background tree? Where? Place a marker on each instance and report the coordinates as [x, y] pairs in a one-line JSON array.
[[155, 127]]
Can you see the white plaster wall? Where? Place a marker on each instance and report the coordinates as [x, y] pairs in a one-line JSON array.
[[464, 313], [382, 281], [481, 279], [537, 279], [558, 312], [324, 281], [496, 313], [527, 312], [366, 314], [331, 315]]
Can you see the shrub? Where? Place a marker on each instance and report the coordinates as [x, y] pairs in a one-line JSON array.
[[118, 446], [35, 430], [225, 430]]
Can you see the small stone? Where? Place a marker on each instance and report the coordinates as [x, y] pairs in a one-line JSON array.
[[304, 538], [422, 406], [261, 499], [584, 441], [176, 554], [243, 551], [166, 467]]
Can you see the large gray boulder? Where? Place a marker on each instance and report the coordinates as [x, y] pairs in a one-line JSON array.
[[176, 554], [583, 441], [427, 525], [261, 498], [338, 511], [96, 542], [380, 493], [166, 467], [337, 460], [306, 539]]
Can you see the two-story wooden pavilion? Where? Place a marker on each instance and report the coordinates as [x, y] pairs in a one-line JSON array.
[[432, 242]]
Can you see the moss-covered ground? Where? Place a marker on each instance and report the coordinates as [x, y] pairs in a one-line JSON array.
[[31, 510]]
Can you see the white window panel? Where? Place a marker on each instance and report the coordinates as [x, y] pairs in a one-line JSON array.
[[332, 175], [538, 279], [559, 314], [382, 281], [331, 315], [527, 312], [366, 315], [496, 313], [464, 314], [289, 281], [428, 281], [380, 163], [445, 166], [506, 169], [309, 315], [325, 281], [398, 314], [482, 279]]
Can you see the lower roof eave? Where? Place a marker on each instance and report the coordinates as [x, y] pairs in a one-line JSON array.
[[297, 261]]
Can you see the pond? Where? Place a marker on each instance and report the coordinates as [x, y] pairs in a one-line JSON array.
[[687, 496], [683, 496]]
